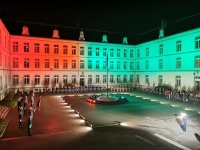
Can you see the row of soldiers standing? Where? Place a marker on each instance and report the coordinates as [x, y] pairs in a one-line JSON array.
[[23, 110]]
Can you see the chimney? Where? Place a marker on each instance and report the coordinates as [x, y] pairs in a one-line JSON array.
[[25, 30], [125, 40], [81, 37], [55, 34], [104, 38], [163, 26]]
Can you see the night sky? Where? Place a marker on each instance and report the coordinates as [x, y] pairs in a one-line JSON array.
[[133, 18]]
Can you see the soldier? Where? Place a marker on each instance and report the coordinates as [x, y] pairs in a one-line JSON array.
[[32, 110], [19, 103], [30, 124], [21, 117], [39, 103]]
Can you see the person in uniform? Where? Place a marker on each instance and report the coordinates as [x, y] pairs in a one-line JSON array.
[[19, 103], [32, 110], [21, 117], [30, 124], [185, 119], [39, 103]]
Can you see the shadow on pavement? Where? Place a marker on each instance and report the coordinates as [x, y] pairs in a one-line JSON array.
[[179, 121], [197, 136]]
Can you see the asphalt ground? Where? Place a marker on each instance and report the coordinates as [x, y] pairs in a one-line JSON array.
[[144, 123]]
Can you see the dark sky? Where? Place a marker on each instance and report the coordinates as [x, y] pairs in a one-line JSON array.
[[96, 17]]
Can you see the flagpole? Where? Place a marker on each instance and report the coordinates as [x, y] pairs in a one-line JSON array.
[[107, 74]]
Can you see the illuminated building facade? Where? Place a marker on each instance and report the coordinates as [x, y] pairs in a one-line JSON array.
[[34, 62]]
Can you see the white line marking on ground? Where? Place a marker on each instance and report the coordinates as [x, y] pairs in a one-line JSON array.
[[145, 140], [172, 142]]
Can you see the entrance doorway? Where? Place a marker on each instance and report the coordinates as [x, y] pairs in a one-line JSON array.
[[197, 84], [81, 81]]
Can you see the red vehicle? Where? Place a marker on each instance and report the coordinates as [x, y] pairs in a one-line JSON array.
[[92, 99]]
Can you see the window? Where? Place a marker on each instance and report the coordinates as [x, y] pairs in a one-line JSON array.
[[74, 79], [111, 64], [111, 78], [46, 79], [138, 65], [118, 52], [118, 79], [37, 63], [131, 65], [15, 62], [15, 47], [104, 52], [65, 64], [131, 78], [5, 61], [146, 79], [125, 79], [97, 64], [89, 51], [160, 80], [197, 42], [64, 79], [97, 51], [125, 53], [15, 79], [64, 49], [147, 65], [56, 63], [147, 51], [73, 50], [131, 53], [197, 61], [178, 62], [82, 64], [118, 65], [89, 64], [178, 46], [56, 77], [26, 47], [178, 81], [138, 79], [46, 63], [138, 53], [46, 48], [37, 47], [81, 50], [26, 63], [89, 79], [104, 78], [125, 65], [26, 79], [104, 65], [111, 52], [73, 64], [37, 79], [161, 49], [160, 64], [56, 49], [97, 78]]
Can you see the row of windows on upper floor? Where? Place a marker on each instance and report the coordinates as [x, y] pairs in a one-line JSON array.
[[64, 79], [73, 50], [73, 64], [90, 63], [178, 63], [161, 48], [112, 51]]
